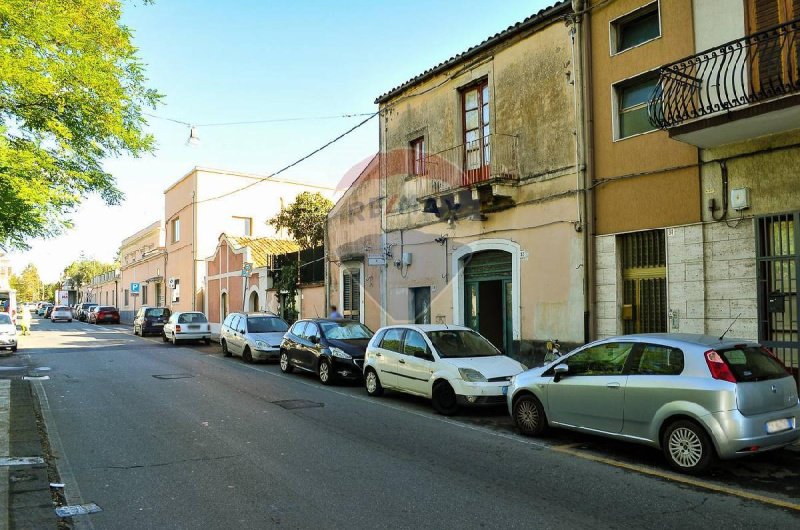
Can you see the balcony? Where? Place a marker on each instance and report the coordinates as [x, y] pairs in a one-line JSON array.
[[484, 171], [743, 89]]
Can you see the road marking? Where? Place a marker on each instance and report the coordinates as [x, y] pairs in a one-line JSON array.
[[21, 460], [570, 449]]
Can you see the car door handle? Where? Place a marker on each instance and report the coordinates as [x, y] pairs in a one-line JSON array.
[[378, 355], [401, 361], [612, 385]]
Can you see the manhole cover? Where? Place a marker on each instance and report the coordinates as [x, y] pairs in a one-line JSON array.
[[173, 376], [291, 404]]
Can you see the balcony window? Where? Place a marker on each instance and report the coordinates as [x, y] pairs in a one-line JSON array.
[[475, 115], [635, 28], [418, 156], [631, 102]]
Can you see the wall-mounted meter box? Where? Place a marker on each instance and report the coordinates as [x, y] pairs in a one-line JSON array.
[[740, 198]]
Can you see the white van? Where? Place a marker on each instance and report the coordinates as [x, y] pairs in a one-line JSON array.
[[8, 302]]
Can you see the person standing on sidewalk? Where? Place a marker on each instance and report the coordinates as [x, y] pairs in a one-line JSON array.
[[26, 322]]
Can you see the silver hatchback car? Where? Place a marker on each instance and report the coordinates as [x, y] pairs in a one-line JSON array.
[[695, 397]]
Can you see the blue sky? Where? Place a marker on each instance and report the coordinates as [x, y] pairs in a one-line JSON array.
[[249, 60]]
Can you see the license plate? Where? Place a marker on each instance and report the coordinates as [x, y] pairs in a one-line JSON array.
[[784, 424], [109, 318], [194, 327], [505, 390]]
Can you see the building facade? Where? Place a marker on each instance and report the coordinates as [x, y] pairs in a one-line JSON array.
[[482, 194], [143, 259], [205, 203], [103, 289]]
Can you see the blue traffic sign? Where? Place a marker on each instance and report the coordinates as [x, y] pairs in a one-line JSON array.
[[135, 287]]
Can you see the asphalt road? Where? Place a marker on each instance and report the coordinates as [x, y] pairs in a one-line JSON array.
[[181, 437]]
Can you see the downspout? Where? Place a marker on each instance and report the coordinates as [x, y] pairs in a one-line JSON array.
[[383, 177], [194, 245], [326, 255]]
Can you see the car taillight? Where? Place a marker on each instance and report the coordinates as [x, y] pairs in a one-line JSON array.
[[178, 328], [719, 369]]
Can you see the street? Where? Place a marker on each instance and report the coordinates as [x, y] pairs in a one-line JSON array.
[[161, 436]]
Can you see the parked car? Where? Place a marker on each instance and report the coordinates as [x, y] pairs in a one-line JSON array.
[[451, 365], [8, 333], [42, 311], [82, 311], [103, 313], [48, 310], [61, 312], [695, 397], [331, 348], [150, 320], [252, 336], [187, 325]]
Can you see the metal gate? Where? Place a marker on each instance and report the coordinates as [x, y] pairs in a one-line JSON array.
[[777, 258], [644, 281]]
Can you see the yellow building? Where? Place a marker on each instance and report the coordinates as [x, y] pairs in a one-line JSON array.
[[143, 259]]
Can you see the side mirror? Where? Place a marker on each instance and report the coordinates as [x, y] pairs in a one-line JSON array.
[[314, 339], [560, 371]]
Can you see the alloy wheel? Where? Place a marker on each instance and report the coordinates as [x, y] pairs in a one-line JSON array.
[[324, 372], [685, 447], [527, 415]]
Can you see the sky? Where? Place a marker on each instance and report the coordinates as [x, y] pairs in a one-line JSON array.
[[247, 60]]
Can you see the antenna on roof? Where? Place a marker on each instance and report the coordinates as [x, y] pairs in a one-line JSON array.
[[729, 327]]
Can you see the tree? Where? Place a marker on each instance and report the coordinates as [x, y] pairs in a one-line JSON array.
[[72, 91], [28, 284], [304, 219], [81, 271]]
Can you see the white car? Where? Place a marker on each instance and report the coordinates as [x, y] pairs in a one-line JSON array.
[[61, 312], [8, 332], [187, 325], [452, 365]]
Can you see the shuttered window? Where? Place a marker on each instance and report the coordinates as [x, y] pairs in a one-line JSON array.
[[644, 279], [773, 65], [351, 293]]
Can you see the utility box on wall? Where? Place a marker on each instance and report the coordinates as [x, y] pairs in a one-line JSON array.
[[740, 198]]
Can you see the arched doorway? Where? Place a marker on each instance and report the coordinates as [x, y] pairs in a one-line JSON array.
[[488, 296], [253, 304], [223, 306]]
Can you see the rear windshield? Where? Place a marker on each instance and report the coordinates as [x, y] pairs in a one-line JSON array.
[[106, 308], [266, 325], [61, 308], [156, 312], [752, 363], [192, 318], [5, 319]]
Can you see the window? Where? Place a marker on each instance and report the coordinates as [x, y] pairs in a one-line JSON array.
[[393, 340], [246, 225], [299, 329], [415, 345], [176, 291], [635, 28], [176, 230], [603, 359], [223, 304], [631, 103], [421, 300], [266, 325], [312, 331], [228, 320], [192, 318], [127, 300], [144, 294], [475, 116], [418, 156], [351, 292], [658, 360]]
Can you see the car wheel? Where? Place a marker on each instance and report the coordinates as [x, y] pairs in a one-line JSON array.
[[325, 372], [225, 351], [207, 341], [13, 348], [164, 337], [70, 321], [373, 383], [444, 399], [134, 331], [247, 356], [284, 363], [687, 447], [174, 339], [529, 416]]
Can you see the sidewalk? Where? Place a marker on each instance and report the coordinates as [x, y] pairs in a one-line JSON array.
[[25, 498]]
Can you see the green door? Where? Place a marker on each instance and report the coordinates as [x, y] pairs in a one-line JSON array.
[[487, 296]]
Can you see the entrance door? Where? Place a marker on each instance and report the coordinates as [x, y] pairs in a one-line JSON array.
[[487, 296], [644, 277], [254, 302], [422, 305]]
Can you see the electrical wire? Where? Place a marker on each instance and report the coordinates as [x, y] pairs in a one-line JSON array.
[[256, 122]]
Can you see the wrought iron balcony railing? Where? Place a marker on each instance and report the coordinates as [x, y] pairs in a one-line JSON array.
[[758, 67], [493, 157]]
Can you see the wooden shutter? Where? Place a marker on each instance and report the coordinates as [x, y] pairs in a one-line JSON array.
[[774, 63], [351, 294]]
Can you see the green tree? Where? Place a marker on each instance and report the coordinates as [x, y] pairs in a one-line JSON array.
[[28, 284], [304, 219], [81, 271], [72, 90]]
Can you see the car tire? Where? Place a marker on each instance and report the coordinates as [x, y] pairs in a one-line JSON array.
[[444, 399], [174, 339], [70, 321], [247, 356], [325, 372], [284, 363], [134, 331], [13, 349], [373, 383], [529, 416], [687, 447], [164, 337], [207, 341], [225, 351]]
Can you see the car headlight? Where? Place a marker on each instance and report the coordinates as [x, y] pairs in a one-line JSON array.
[[338, 352], [473, 376], [261, 344]]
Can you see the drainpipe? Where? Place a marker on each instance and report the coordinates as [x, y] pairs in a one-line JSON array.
[[326, 260], [382, 131]]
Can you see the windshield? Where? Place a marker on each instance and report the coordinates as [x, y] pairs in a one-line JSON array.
[[266, 325], [192, 318], [461, 343], [4, 318], [751, 363], [345, 330]]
